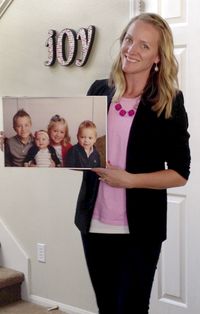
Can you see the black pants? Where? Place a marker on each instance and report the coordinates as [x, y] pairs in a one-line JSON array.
[[121, 270]]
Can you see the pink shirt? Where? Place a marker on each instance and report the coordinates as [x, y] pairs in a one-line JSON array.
[[110, 207]]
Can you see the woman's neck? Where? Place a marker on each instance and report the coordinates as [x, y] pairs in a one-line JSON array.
[[133, 93], [134, 86]]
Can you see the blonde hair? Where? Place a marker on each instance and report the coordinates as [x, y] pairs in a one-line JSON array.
[[162, 85], [41, 132], [55, 119], [87, 124]]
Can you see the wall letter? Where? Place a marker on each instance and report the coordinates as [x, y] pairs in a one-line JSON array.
[[51, 44], [87, 38], [71, 45]]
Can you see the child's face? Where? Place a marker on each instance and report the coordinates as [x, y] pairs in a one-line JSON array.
[[42, 140], [57, 133], [23, 127], [87, 138]]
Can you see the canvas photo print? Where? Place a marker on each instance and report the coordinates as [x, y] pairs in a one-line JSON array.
[[51, 132]]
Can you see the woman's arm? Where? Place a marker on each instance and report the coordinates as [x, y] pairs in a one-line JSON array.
[[120, 178]]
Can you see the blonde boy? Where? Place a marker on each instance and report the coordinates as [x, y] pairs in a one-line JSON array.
[[84, 153]]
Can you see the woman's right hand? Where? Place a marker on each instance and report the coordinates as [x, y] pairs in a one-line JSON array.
[[2, 137]]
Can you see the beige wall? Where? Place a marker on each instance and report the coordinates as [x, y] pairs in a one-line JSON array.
[[39, 205]]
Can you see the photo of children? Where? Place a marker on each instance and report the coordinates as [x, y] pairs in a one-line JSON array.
[[54, 132]]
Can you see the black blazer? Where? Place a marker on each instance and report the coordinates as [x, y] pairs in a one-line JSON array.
[[153, 142]]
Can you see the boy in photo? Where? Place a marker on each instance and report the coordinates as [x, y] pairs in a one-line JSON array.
[[84, 153], [16, 147]]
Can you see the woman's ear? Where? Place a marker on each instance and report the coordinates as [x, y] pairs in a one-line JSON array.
[[157, 60]]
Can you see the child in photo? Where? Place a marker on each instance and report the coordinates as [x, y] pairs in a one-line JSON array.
[[59, 136], [41, 154], [16, 147], [84, 153]]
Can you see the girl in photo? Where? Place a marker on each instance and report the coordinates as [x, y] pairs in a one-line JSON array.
[[59, 136], [41, 154]]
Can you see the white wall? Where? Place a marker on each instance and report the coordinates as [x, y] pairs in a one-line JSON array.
[[38, 206]]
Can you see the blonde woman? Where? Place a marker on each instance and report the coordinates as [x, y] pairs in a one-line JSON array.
[[122, 209]]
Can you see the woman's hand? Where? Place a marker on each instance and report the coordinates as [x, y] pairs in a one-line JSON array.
[[114, 176]]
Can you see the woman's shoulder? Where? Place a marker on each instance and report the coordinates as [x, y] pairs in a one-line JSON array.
[[179, 116], [178, 103], [179, 96], [100, 87]]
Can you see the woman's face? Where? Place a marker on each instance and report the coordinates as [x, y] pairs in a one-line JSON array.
[[139, 49]]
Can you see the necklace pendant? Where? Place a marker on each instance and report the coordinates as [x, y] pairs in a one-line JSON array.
[[131, 112], [123, 112], [118, 106]]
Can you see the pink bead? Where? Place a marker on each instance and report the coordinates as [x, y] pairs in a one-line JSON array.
[[131, 113], [122, 112], [118, 107]]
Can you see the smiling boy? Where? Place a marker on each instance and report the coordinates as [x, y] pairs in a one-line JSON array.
[[16, 147]]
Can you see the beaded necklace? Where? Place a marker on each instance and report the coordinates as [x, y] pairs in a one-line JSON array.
[[123, 112]]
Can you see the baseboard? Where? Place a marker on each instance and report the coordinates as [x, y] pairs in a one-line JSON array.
[[63, 307]]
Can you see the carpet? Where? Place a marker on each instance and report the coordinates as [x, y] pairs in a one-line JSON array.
[[22, 307]]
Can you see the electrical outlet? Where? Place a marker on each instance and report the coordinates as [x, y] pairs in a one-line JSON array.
[[41, 252]]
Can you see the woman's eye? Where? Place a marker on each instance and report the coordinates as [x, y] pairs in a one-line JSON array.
[[145, 46], [128, 40]]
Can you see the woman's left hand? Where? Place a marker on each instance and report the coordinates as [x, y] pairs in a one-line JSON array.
[[114, 176]]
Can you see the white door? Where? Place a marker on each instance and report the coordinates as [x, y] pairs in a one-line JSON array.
[[177, 284]]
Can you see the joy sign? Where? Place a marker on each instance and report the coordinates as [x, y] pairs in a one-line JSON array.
[[65, 46]]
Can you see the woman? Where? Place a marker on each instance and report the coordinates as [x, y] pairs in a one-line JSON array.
[[121, 213]]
